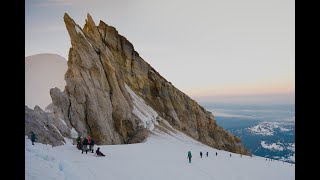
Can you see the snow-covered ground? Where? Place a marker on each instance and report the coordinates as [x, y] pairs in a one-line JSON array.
[[160, 157]]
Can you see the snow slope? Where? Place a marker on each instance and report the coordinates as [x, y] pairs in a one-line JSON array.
[[43, 72], [162, 156]]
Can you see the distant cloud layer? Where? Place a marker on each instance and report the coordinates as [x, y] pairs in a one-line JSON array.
[[48, 3], [283, 98]]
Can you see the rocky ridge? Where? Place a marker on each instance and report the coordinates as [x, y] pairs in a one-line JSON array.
[[116, 97]]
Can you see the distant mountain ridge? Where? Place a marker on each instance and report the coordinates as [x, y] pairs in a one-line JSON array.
[[43, 72], [116, 97]]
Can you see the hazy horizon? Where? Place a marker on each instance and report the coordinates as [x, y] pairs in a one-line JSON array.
[[219, 51], [255, 99]]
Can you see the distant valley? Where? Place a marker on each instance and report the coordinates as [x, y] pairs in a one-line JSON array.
[[266, 130]]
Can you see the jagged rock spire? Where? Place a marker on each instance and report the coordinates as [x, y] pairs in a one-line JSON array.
[[103, 68]]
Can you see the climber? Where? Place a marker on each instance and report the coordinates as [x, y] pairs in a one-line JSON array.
[[79, 142], [200, 154], [91, 144], [85, 145], [216, 154], [207, 154], [189, 156], [99, 153], [33, 138]]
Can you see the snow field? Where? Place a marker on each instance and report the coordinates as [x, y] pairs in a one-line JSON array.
[[160, 157]]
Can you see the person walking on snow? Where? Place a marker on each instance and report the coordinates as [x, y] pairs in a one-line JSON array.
[[207, 154], [85, 145], [189, 156], [216, 154], [33, 137], [200, 154]]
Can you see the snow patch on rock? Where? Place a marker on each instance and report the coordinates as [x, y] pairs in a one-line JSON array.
[[145, 113]]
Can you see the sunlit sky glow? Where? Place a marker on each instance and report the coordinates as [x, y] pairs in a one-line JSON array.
[[207, 48]]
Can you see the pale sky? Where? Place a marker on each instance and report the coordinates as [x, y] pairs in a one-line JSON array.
[[209, 49]]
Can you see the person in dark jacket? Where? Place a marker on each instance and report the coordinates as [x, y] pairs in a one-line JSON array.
[[33, 137], [99, 153], [91, 144], [207, 154], [85, 145], [79, 142], [200, 154], [189, 156], [216, 154]]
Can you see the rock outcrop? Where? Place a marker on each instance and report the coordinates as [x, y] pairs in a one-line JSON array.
[[48, 128], [116, 97]]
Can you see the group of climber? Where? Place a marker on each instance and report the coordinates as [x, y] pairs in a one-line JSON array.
[[83, 143], [190, 155]]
